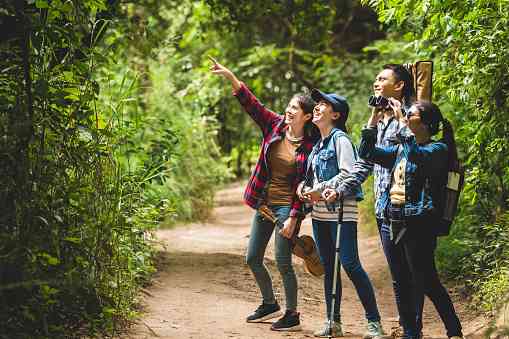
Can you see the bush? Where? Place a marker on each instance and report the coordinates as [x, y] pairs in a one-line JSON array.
[[74, 227]]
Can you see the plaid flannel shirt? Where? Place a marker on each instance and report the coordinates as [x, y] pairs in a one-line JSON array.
[[273, 129]]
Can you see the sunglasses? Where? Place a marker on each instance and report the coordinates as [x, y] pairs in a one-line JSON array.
[[412, 112]]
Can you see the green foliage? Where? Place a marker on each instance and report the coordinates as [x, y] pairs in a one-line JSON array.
[[469, 42], [196, 168], [367, 220], [170, 132], [74, 226]]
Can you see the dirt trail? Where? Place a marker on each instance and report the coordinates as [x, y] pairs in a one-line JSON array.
[[205, 290]]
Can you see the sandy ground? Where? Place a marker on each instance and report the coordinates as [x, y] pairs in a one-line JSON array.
[[204, 289]]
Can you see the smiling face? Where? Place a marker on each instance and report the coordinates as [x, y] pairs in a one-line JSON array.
[[387, 85], [295, 115], [323, 115]]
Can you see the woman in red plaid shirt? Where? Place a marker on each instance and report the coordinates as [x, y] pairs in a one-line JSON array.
[[287, 142]]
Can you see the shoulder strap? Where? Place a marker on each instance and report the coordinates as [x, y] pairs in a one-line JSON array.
[[343, 134], [400, 149], [340, 133], [386, 127]]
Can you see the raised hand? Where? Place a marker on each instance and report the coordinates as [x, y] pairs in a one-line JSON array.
[[377, 114], [395, 105], [219, 69]]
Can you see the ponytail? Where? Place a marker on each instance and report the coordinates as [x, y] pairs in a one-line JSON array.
[[448, 139]]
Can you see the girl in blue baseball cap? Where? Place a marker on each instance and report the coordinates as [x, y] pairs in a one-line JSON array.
[[331, 159]]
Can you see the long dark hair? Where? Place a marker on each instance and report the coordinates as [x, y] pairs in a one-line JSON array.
[[432, 117], [341, 122], [402, 74], [307, 104]]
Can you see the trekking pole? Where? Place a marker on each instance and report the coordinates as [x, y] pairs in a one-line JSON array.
[[336, 264]]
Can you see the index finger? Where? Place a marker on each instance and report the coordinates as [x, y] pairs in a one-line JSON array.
[[212, 59]]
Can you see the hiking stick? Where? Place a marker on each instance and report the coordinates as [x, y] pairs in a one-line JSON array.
[[336, 264]]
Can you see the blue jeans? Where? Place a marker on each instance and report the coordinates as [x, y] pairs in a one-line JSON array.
[[414, 275], [325, 237], [261, 231]]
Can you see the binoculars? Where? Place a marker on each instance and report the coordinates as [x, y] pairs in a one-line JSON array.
[[378, 101]]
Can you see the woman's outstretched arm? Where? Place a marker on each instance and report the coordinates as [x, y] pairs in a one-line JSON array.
[[219, 69], [263, 117]]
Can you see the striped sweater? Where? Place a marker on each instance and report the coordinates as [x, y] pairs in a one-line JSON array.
[[346, 160]]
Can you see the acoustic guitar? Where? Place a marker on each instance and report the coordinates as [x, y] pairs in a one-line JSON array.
[[303, 246]]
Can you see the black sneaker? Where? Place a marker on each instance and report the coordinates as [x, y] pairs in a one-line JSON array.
[[289, 322], [265, 312]]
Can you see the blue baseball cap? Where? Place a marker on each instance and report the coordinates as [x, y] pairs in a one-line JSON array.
[[338, 102]]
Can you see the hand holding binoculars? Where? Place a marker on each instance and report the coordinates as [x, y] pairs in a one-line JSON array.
[[378, 101]]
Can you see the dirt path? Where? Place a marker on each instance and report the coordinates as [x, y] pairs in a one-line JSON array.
[[205, 290]]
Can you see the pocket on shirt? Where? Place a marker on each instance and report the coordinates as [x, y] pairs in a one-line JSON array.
[[328, 164]]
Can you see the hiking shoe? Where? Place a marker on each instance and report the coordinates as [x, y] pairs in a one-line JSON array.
[[265, 312], [289, 322], [334, 331], [375, 331]]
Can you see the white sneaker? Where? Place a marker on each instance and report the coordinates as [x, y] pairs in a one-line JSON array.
[[375, 331], [334, 331]]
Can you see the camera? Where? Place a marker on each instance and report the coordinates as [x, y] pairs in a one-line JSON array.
[[378, 101]]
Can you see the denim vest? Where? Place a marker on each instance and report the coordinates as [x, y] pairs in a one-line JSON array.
[[326, 164]]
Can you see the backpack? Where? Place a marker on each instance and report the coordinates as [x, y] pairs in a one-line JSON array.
[[450, 197]]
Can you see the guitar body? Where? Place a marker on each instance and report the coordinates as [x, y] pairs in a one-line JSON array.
[[305, 248]]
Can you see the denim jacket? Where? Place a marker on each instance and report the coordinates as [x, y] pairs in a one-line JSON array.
[[425, 170], [326, 166]]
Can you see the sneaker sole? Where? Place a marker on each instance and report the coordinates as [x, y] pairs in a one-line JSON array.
[[326, 336], [267, 317], [288, 329]]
